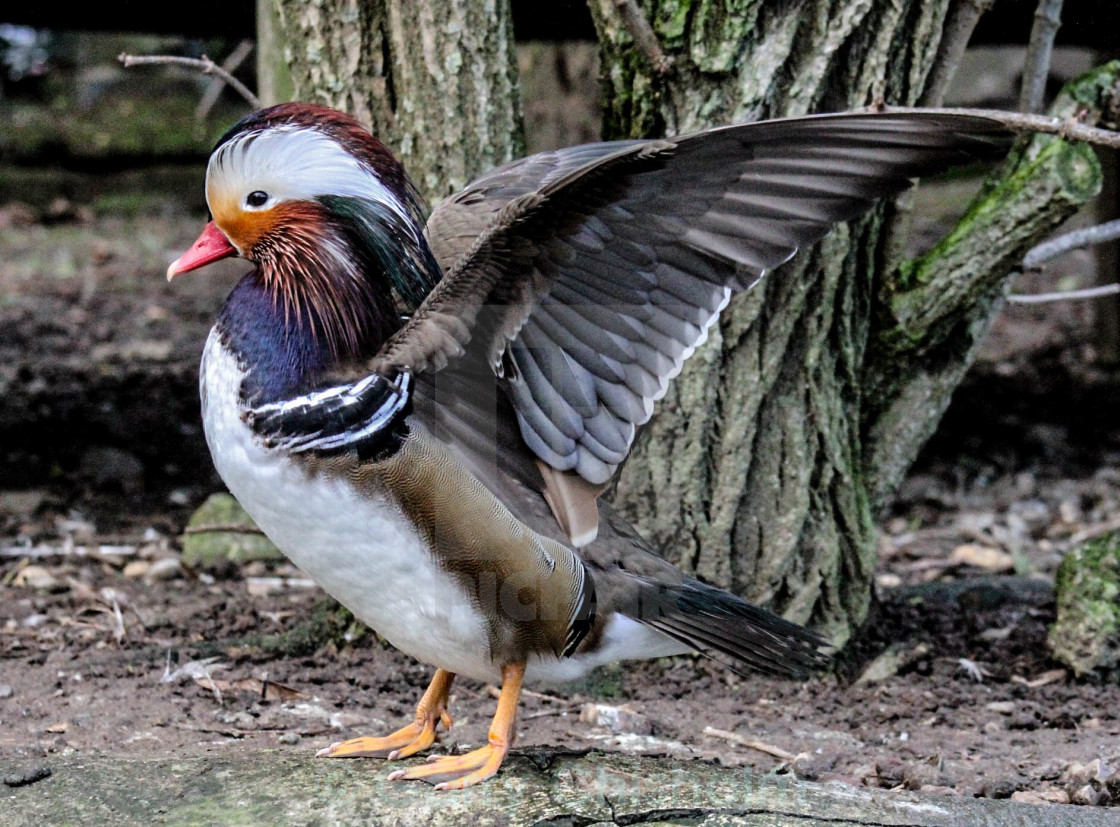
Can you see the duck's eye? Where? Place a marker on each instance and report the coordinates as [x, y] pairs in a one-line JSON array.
[[257, 198]]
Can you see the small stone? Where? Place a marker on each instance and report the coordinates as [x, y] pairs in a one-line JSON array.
[[919, 775], [1002, 707], [34, 621], [889, 663], [179, 496], [352, 720], [888, 580], [865, 774], [999, 788], [39, 579], [982, 557], [1055, 796], [1076, 774], [937, 789], [136, 569], [1086, 796], [30, 775], [290, 739], [1041, 797], [1024, 719], [1112, 785], [220, 531], [1086, 633], [811, 767], [890, 772], [167, 568], [616, 718], [6, 690], [239, 719]]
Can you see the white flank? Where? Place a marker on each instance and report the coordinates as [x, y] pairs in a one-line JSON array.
[[623, 639], [360, 549]]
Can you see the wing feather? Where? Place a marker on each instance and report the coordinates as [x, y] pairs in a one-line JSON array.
[[585, 277]]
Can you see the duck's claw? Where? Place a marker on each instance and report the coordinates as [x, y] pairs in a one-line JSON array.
[[453, 772], [409, 740]]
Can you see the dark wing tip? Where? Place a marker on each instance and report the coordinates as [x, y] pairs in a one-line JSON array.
[[718, 623]]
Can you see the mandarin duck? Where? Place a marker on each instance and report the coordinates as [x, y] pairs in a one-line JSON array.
[[422, 416]]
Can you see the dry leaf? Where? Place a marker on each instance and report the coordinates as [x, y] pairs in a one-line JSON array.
[[1046, 678], [191, 669], [267, 690], [982, 557]]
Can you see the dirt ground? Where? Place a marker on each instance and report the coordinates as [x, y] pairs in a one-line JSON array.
[[107, 644]]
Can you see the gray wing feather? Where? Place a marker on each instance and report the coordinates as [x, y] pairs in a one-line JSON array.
[[586, 277]]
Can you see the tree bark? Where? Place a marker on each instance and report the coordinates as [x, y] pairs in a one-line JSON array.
[[769, 457], [436, 80]]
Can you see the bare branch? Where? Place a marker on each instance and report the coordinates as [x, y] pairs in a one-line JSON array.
[[1100, 234], [203, 64], [214, 90], [1068, 129], [1047, 19], [958, 29], [1065, 295], [644, 37]]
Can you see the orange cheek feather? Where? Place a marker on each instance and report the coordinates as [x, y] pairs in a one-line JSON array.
[[246, 228], [243, 228]]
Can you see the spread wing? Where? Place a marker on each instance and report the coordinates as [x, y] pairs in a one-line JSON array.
[[584, 277]]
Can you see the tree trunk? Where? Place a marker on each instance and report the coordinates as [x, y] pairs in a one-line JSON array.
[[769, 457], [436, 80]]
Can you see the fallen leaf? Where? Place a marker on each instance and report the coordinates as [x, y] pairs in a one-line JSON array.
[[1002, 707], [135, 569], [982, 557], [265, 690], [192, 670], [38, 578], [888, 664], [1046, 678]]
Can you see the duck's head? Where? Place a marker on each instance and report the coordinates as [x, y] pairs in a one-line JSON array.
[[326, 213]]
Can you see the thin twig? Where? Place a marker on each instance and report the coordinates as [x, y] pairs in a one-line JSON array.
[[222, 528], [203, 64], [550, 713], [214, 90], [634, 21], [1065, 128], [750, 743], [1047, 19], [958, 29], [1065, 295], [1091, 533], [95, 552], [495, 692], [1099, 234]]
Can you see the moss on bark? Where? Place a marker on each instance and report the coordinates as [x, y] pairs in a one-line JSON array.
[[1086, 633]]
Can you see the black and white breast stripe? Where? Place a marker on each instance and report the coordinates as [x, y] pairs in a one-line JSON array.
[[583, 616], [365, 416]]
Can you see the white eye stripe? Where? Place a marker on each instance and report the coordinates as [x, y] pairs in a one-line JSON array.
[[293, 163]]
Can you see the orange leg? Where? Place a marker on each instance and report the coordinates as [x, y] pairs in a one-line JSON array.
[[409, 740], [453, 772]]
